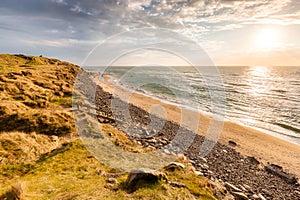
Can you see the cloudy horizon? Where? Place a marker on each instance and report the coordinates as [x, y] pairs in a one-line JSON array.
[[232, 32]]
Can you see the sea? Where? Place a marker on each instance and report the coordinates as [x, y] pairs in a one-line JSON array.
[[262, 97]]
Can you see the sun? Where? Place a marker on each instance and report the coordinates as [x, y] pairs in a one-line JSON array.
[[267, 39]]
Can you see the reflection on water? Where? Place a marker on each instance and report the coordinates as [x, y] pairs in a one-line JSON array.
[[260, 71], [265, 97], [258, 78]]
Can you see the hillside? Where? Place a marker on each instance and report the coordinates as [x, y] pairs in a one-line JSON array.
[[41, 156]]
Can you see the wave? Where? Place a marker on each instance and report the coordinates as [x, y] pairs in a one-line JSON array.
[[288, 127], [248, 97]]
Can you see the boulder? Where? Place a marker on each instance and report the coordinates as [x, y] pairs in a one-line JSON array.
[[253, 160], [232, 143], [278, 171], [137, 177], [174, 166]]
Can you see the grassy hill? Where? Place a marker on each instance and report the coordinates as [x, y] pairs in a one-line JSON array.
[[40, 154]]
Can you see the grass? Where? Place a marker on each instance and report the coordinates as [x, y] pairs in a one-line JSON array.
[[40, 158], [72, 172], [65, 102], [34, 94]]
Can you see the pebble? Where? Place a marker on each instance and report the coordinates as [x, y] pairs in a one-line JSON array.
[[152, 141], [240, 195], [231, 187], [242, 188], [205, 166], [261, 197], [177, 184], [192, 162], [203, 159], [247, 187], [112, 181], [166, 151], [174, 165], [232, 143], [164, 142], [198, 173]]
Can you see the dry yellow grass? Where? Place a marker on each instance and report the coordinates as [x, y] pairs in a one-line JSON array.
[[35, 121], [35, 94], [71, 172]]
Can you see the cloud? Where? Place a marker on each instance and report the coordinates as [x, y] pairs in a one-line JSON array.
[[77, 24]]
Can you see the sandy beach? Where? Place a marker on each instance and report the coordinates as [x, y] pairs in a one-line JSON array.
[[250, 142]]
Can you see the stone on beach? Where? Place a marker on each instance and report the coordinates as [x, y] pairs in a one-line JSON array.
[[278, 171], [174, 166], [232, 143], [144, 175], [232, 187], [240, 196]]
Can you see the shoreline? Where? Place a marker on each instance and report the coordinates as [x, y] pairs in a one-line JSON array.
[[282, 136], [250, 142]]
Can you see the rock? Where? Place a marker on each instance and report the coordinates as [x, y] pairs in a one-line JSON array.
[[144, 175], [198, 173], [209, 172], [231, 187], [261, 197], [248, 188], [253, 160], [255, 196], [174, 166], [26, 73], [243, 188], [145, 133], [205, 166], [225, 151], [192, 168], [220, 191], [166, 151], [232, 143], [177, 184], [240, 195], [203, 159], [266, 192], [278, 171], [100, 172], [182, 156], [54, 138], [110, 134], [152, 141], [112, 181]]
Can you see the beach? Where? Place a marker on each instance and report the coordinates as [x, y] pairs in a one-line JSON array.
[[250, 142]]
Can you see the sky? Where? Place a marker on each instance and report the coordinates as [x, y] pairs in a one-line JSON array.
[[228, 32]]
